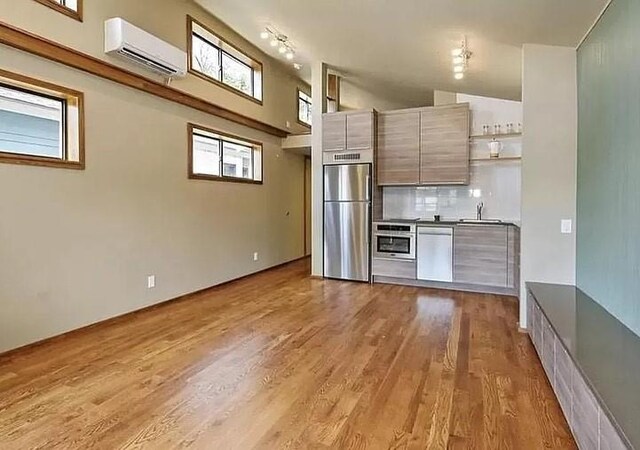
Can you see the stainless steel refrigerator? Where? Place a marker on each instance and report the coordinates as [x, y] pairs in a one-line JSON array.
[[347, 219]]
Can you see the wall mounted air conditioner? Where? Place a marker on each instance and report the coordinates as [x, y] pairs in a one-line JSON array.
[[122, 38]]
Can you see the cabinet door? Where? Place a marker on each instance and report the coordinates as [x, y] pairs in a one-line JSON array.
[[334, 128], [444, 147], [585, 414], [549, 351], [480, 255], [399, 149], [359, 131]]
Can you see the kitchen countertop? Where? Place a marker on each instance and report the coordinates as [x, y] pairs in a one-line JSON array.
[[603, 348], [447, 222]]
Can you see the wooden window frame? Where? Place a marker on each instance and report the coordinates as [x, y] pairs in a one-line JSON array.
[[298, 91], [77, 15], [192, 128], [257, 65], [71, 99]]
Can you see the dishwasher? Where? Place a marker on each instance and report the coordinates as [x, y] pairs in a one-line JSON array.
[[435, 254]]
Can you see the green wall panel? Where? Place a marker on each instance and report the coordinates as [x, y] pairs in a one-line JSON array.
[[608, 223]]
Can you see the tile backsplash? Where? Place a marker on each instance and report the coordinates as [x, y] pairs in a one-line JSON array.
[[496, 183]]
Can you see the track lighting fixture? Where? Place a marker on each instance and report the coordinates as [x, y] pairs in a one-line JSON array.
[[279, 40]]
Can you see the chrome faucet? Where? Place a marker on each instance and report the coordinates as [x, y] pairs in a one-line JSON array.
[[479, 208]]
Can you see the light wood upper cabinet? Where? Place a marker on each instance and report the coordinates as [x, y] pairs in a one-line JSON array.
[[399, 148], [444, 145], [348, 131], [334, 132], [360, 131]]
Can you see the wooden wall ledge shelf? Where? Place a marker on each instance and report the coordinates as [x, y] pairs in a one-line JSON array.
[[39, 46]]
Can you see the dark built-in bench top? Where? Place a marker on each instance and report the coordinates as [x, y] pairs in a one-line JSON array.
[[603, 349]]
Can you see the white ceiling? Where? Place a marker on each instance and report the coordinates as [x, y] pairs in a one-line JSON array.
[[401, 49]]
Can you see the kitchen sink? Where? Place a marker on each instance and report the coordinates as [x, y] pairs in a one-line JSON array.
[[480, 221]]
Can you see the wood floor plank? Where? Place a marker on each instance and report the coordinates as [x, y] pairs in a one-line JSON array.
[[281, 360]]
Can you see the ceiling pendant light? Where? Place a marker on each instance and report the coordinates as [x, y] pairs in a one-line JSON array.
[[282, 49], [460, 58], [274, 42], [264, 34], [289, 55]]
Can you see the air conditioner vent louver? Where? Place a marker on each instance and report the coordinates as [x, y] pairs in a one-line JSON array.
[[153, 65], [347, 157]]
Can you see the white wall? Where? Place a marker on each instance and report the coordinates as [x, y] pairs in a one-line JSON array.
[[549, 97]]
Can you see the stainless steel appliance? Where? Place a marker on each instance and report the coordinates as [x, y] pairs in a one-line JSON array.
[[347, 218], [435, 254], [393, 240]]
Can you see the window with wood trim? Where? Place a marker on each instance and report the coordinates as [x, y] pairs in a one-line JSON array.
[[222, 157], [304, 108], [71, 8], [215, 60], [40, 123]]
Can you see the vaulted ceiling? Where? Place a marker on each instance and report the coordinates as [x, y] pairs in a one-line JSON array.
[[401, 49]]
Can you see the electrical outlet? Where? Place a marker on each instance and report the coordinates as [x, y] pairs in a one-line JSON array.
[[255, 256], [565, 226], [151, 281]]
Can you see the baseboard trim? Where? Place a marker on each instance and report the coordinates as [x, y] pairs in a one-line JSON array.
[[478, 289], [122, 317]]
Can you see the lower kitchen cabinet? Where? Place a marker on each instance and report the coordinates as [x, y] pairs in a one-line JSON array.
[[586, 416], [394, 268], [480, 254]]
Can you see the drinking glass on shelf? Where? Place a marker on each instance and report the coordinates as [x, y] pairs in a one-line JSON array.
[[496, 129], [485, 129], [509, 128]]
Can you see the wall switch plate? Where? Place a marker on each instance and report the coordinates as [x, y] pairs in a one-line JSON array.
[[566, 226], [255, 256], [151, 281], [288, 124]]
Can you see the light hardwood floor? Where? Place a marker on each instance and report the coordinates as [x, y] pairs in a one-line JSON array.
[[280, 360]]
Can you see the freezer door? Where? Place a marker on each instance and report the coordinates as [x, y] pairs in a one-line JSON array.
[[347, 183], [346, 240]]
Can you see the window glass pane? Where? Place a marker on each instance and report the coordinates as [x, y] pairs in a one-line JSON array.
[[257, 163], [304, 108], [206, 155], [72, 4], [30, 124], [237, 74], [237, 161], [205, 57]]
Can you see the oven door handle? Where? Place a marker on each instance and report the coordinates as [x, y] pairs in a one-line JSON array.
[[395, 235]]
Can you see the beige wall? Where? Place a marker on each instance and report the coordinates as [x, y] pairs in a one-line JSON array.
[[76, 247], [444, 98], [353, 96], [549, 161], [167, 20]]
